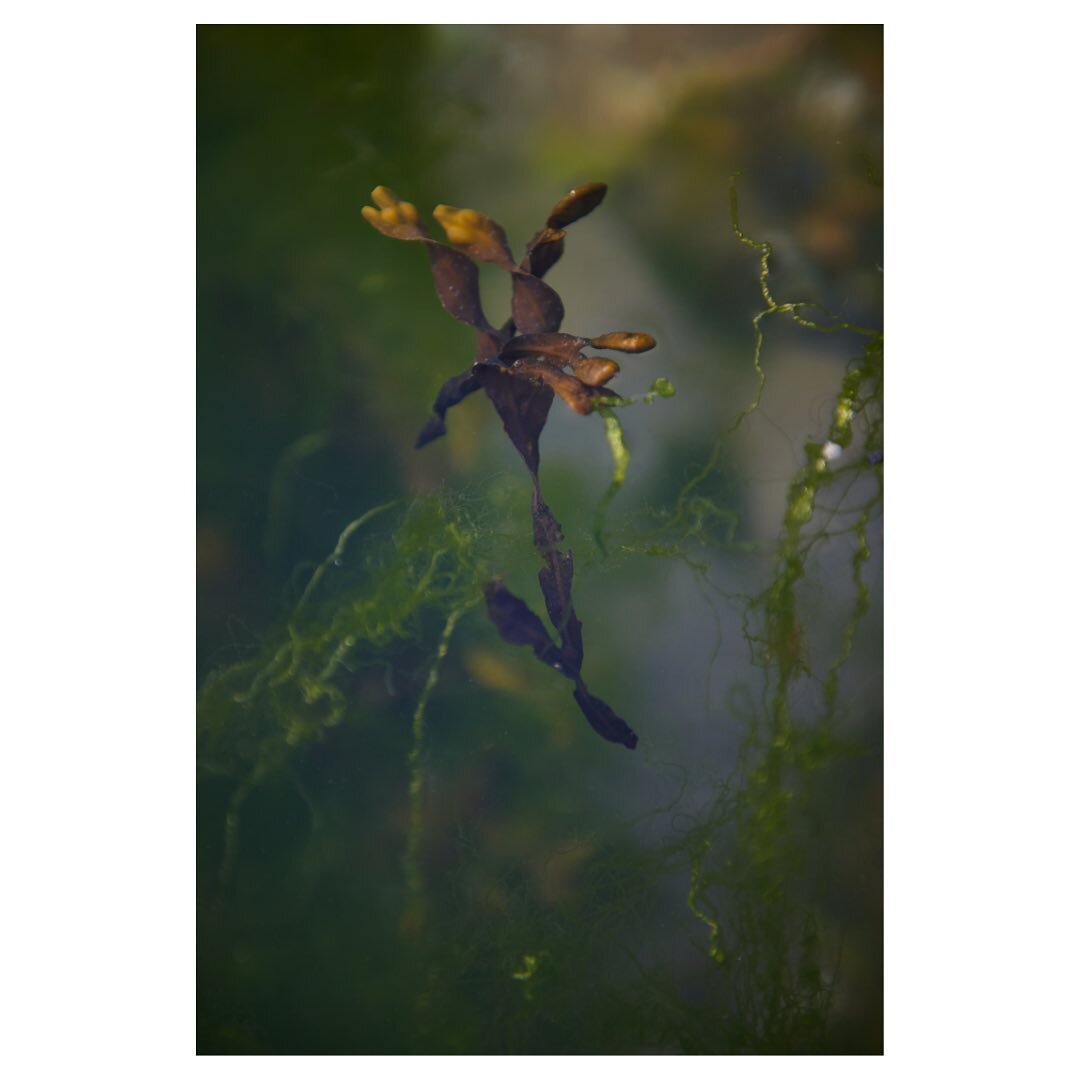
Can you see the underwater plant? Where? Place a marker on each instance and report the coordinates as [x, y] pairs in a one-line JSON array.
[[527, 924], [521, 367]]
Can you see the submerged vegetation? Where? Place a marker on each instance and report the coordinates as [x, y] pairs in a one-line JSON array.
[[521, 367], [753, 901], [519, 941]]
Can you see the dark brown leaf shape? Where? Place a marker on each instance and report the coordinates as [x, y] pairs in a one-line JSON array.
[[523, 408], [536, 308], [453, 391], [547, 532], [544, 251], [604, 720], [576, 204], [457, 283], [556, 581], [564, 347], [518, 625]]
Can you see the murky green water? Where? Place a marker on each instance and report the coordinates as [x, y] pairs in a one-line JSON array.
[[410, 838]]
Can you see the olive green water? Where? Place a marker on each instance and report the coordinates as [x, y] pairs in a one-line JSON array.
[[409, 838]]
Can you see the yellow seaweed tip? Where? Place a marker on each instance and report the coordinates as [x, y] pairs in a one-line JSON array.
[[383, 197], [391, 211], [462, 227]]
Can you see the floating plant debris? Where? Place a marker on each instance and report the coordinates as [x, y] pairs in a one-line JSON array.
[[521, 367]]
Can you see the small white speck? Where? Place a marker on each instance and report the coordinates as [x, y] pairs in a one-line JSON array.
[[831, 451]]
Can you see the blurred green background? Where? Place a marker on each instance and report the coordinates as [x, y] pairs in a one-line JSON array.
[[560, 873]]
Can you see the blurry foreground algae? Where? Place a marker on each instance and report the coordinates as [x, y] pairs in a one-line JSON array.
[[454, 943]]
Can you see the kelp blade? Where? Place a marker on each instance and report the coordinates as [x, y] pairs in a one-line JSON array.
[[519, 625], [603, 719]]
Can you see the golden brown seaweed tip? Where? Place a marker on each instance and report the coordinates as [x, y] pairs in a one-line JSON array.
[[622, 341], [595, 370], [476, 234], [392, 216]]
